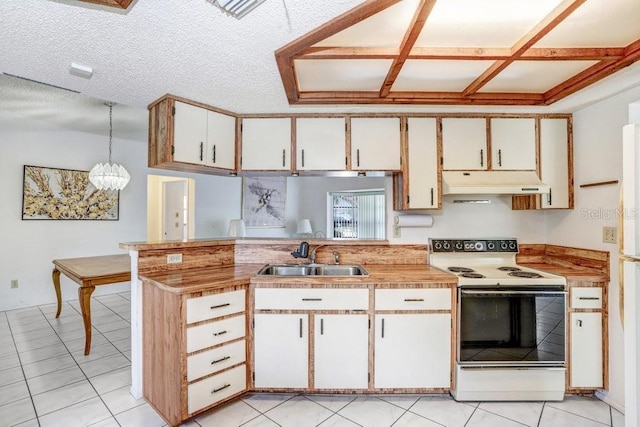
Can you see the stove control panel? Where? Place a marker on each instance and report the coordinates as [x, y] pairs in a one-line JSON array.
[[474, 245]]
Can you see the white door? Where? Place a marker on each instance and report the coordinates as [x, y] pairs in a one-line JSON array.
[[554, 162], [412, 351], [281, 350], [586, 349], [221, 140], [341, 356], [174, 195], [423, 163]]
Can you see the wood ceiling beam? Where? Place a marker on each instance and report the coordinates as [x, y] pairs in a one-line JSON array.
[[411, 35], [120, 4], [465, 53], [284, 55], [593, 74], [420, 98], [557, 15]]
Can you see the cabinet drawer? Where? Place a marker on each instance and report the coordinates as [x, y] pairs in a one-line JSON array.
[[215, 360], [217, 305], [311, 299], [214, 333], [216, 388], [586, 297], [413, 299]]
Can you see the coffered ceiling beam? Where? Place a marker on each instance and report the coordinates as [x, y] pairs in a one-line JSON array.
[[409, 39], [557, 15]]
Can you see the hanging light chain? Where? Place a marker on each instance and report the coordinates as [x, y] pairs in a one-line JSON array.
[[110, 104]]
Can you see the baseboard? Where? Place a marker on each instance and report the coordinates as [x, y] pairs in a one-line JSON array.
[[604, 396]]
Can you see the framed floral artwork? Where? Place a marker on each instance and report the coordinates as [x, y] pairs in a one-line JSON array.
[[50, 193], [263, 201]]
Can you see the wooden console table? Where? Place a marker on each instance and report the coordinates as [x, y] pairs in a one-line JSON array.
[[89, 272]]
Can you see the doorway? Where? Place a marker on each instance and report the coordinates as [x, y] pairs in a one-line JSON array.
[[170, 208]]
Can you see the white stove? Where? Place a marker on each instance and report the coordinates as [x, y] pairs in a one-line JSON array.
[[487, 262]]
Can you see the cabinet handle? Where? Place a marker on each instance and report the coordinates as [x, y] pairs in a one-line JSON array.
[[213, 307], [382, 335], [201, 150], [549, 197], [214, 154], [321, 326], [358, 157], [311, 299], [216, 334], [481, 157], [303, 157], [301, 327], [431, 196], [414, 299], [215, 390], [283, 156], [589, 298], [499, 157], [221, 360], [579, 323]]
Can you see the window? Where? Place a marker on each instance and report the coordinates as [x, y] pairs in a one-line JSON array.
[[356, 214]]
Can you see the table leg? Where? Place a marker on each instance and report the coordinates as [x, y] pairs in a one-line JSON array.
[[56, 285], [84, 294]]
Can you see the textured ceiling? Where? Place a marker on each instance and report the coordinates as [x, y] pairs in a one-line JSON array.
[[184, 47]]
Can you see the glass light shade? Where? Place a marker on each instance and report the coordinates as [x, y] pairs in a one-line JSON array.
[[304, 227], [106, 176], [237, 228]]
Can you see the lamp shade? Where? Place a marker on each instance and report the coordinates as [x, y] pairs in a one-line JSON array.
[[304, 227], [237, 228]]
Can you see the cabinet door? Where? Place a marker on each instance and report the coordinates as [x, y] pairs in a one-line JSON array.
[[375, 143], [586, 350], [341, 355], [221, 141], [281, 350], [554, 163], [320, 144], [513, 144], [189, 133], [464, 144], [266, 144], [422, 164], [412, 351]]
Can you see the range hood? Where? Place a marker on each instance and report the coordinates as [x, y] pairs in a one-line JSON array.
[[492, 182]]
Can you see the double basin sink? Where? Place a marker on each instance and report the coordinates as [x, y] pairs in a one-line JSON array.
[[313, 270]]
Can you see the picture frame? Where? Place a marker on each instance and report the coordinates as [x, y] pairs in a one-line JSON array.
[[264, 201], [65, 194]]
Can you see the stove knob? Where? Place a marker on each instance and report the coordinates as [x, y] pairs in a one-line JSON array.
[[446, 245], [437, 245], [478, 246], [512, 246], [503, 246], [491, 246], [458, 246]]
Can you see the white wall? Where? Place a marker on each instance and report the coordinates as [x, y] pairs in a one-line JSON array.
[[597, 138]]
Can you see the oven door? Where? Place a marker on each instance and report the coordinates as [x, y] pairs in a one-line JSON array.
[[519, 326]]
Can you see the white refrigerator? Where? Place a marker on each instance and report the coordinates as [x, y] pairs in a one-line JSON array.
[[629, 227]]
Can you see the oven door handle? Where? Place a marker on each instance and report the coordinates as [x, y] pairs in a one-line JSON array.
[[492, 292]]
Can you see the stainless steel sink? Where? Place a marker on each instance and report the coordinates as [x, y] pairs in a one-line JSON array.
[[313, 270]]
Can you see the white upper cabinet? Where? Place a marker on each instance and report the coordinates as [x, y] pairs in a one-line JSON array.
[[513, 144], [203, 137], [375, 143], [422, 163], [321, 143], [464, 143], [266, 144], [554, 163]]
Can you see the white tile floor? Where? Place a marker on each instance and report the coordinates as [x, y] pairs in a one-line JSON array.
[[45, 380]]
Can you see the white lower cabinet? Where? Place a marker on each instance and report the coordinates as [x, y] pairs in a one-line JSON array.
[[586, 363], [341, 351], [281, 350], [412, 351]]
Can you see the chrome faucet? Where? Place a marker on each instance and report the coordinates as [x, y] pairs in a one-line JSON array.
[[313, 254], [336, 257]]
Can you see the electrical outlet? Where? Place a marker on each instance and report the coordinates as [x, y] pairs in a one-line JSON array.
[[609, 235], [14, 283], [396, 232], [174, 258]]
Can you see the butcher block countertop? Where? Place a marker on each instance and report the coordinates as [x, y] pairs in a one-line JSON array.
[[209, 278], [572, 273]]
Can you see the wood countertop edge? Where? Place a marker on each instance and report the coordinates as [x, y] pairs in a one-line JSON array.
[[190, 243]]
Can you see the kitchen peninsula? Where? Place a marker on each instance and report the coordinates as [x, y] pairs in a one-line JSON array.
[[220, 276]]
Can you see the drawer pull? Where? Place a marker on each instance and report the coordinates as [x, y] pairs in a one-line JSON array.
[[215, 390], [215, 334], [311, 299], [589, 298], [213, 307], [382, 332], [222, 359], [414, 299]]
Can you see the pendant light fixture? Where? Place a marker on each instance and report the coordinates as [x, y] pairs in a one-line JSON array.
[[109, 176]]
